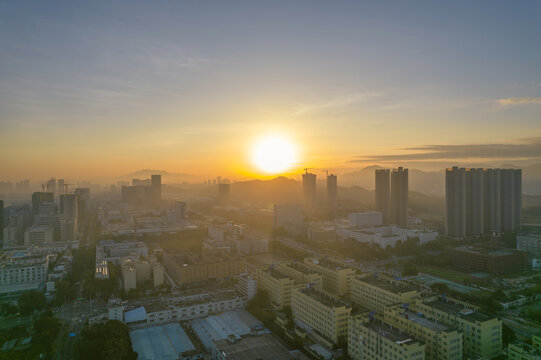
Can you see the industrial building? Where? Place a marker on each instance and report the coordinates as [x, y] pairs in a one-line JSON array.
[[324, 314], [336, 278], [375, 293], [167, 342], [482, 334], [375, 339]]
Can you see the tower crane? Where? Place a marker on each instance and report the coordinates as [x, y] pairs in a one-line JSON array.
[[306, 170]]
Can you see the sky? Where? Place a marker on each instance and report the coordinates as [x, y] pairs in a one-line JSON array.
[[98, 89]]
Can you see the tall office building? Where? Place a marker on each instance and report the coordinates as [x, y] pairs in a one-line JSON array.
[[1, 223], [179, 210], [492, 219], [39, 198], [332, 192], [68, 206], [23, 186], [511, 199], [383, 194], [223, 194], [68, 211], [156, 183], [83, 203], [399, 197], [455, 201], [309, 191], [60, 186], [474, 183], [51, 185], [482, 200]]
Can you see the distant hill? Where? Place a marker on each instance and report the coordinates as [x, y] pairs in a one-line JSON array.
[[166, 176], [433, 182]]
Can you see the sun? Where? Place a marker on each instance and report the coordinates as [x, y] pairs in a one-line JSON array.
[[273, 154]]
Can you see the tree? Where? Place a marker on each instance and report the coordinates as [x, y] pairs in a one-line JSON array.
[[108, 341], [508, 335], [46, 328], [30, 301]]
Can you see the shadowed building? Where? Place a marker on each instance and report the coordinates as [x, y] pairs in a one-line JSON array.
[[478, 201], [223, 194], [383, 194], [309, 191], [332, 192], [399, 197]]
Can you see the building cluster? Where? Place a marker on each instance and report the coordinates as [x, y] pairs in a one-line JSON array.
[[492, 261], [479, 201], [143, 193], [392, 195], [234, 238], [309, 191], [32, 268], [207, 264], [53, 217], [378, 316], [531, 244]]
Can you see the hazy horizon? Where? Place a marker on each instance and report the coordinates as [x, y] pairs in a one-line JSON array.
[[99, 90]]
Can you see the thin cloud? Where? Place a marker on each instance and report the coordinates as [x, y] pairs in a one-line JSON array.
[[337, 103], [527, 148], [520, 101]]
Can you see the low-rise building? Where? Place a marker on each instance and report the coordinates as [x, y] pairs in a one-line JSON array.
[[360, 219], [336, 278], [375, 339], [324, 314], [495, 262], [157, 274], [277, 285], [375, 293], [246, 285], [522, 351], [39, 235], [129, 275], [22, 267], [194, 267], [482, 333], [302, 273], [442, 342]]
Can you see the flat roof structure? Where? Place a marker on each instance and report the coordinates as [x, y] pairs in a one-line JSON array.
[[386, 330], [166, 342], [464, 312], [323, 298], [232, 324], [394, 286], [424, 322], [263, 347], [138, 314]]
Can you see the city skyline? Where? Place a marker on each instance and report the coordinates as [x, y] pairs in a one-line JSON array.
[[99, 90]]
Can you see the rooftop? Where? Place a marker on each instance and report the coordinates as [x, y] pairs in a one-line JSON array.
[[329, 264], [394, 286], [263, 347], [322, 298], [161, 342], [301, 268], [454, 308], [424, 322], [387, 331]]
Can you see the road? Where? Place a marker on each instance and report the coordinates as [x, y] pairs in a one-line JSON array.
[[73, 315]]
